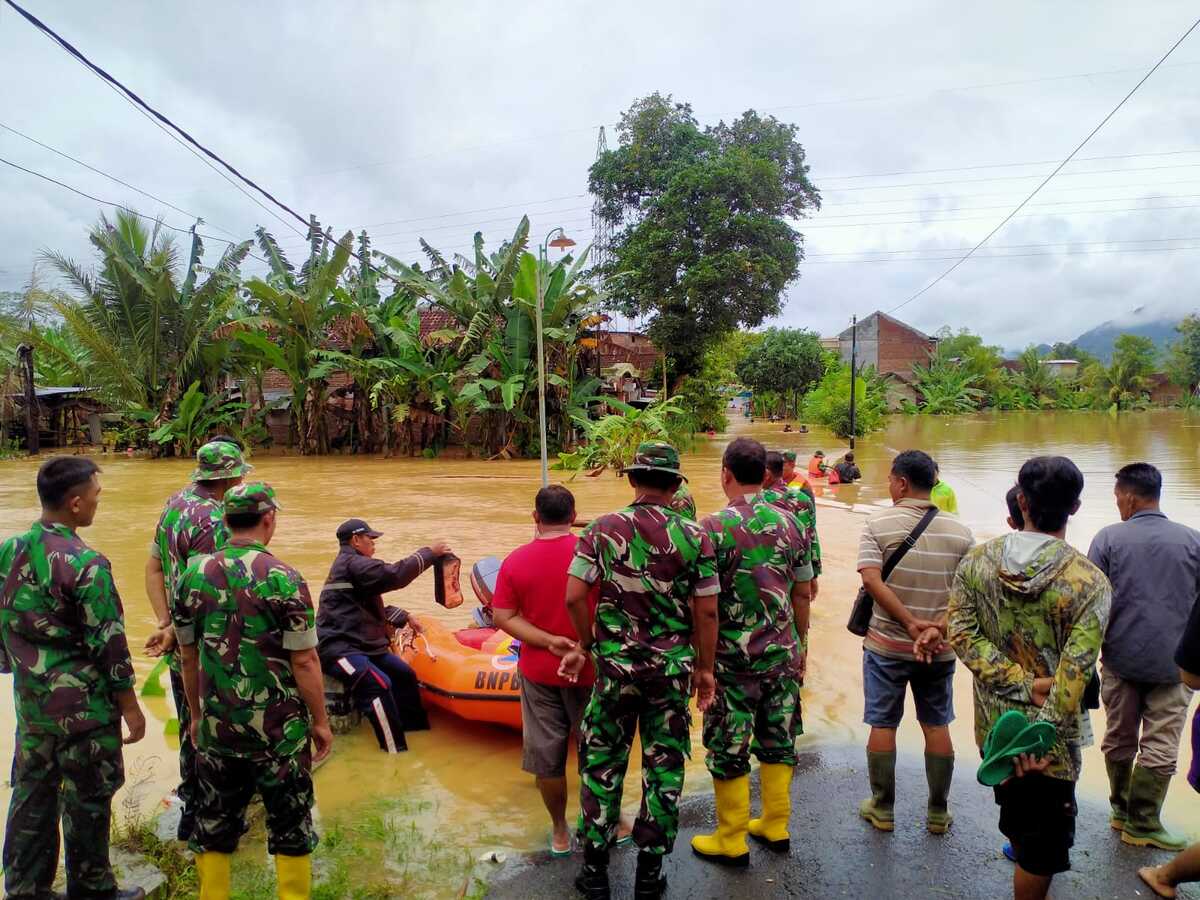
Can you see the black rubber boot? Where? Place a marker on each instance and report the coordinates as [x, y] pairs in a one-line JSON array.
[[592, 880], [650, 884]]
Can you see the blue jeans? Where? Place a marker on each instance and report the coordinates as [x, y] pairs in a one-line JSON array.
[[385, 690]]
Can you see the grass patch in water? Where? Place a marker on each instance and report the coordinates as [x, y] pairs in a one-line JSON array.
[[382, 853]]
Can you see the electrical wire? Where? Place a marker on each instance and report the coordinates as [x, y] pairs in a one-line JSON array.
[[1057, 169], [1003, 246], [917, 259], [110, 177]]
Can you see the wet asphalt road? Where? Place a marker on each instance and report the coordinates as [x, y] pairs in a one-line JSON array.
[[836, 854]]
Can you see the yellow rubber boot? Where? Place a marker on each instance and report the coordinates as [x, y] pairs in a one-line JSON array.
[[293, 877], [772, 829], [213, 869], [727, 845]]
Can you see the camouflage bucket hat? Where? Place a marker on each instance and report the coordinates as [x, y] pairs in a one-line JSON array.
[[218, 460], [255, 496], [656, 456], [789, 455]]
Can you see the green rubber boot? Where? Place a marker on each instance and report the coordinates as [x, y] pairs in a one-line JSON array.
[[879, 809], [1119, 773], [1143, 827], [939, 772]]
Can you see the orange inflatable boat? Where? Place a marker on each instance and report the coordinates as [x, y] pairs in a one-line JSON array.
[[471, 672]]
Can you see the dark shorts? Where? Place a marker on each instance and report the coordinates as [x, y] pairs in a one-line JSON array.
[[1037, 815], [884, 681], [549, 717]]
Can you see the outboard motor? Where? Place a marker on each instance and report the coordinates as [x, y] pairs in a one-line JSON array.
[[483, 582]]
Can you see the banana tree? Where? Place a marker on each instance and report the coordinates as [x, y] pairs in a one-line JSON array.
[[196, 416], [293, 314]]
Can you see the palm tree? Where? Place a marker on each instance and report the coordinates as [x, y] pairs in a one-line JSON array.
[[292, 317], [144, 328], [1041, 383]]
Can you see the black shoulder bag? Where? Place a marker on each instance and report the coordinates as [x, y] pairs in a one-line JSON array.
[[864, 604]]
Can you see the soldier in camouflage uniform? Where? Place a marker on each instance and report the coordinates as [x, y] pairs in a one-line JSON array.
[[684, 503], [247, 633], [764, 566], [658, 587], [1027, 615], [62, 637], [191, 524], [798, 503]]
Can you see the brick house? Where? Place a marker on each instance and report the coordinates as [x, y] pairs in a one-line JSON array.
[[1163, 392], [628, 347], [892, 348]]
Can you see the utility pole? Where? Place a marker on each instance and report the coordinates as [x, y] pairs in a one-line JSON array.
[[32, 419], [853, 371]]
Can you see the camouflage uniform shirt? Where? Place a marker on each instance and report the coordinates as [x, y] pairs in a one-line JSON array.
[[247, 611], [1014, 618], [684, 503], [62, 632], [192, 523], [649, 561], [761, 554], [804, 508]]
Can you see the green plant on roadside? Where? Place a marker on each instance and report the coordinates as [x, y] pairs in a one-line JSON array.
[[828, 403], [610, 442], [946, 388]]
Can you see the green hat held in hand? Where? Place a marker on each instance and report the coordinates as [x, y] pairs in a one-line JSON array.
[[656, 456], [255, 496], [218, 460], [1011, 736]]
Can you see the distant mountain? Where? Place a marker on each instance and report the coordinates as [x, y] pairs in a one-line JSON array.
[[1141, 321]]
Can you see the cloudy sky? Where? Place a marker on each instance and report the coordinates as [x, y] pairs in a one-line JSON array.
[[924, 123]]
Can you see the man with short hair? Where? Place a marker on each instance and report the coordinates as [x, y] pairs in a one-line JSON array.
[[904, 647], [191, 525], [764, 566], [1027, 617], [356, 632], [847, 470], [62, 637], [1154, 566], [792, 477], [652, 639], [801, 505], [247, 634], [528, 604]]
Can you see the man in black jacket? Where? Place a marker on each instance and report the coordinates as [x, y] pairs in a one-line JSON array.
[[355, 631]]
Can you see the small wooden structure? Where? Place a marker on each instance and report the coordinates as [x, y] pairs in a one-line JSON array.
[[59, 417]]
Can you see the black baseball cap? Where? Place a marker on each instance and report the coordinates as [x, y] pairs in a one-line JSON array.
[[351, 527]]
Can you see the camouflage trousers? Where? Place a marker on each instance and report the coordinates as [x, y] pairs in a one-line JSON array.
[[757, 714], [225, 785], [657, 708], [186, 792], [78, 775]]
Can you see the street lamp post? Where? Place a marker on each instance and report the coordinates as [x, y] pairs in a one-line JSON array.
[[561, 242]]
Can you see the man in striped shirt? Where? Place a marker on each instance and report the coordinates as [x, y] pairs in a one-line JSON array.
[[905, 647]]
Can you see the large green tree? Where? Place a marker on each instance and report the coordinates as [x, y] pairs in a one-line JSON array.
[[702, 239], [1183, 364], [787, 362]]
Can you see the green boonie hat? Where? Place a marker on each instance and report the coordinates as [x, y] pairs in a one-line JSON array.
[[656, 456], [789, 455], [255, 496], [218, 460], [1012, 734]]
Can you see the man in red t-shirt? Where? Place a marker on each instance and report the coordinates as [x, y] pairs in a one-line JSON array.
[[528, 604]]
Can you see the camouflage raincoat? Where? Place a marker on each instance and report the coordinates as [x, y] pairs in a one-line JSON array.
[[1020, 611]]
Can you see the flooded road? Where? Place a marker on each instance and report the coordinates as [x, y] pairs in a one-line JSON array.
[[462, 783]]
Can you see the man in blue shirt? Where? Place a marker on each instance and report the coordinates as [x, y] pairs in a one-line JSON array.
[[1154, 566]]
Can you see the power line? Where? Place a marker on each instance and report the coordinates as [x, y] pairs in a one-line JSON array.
[[809, 256], [1036, 162], [916, 259], [121, 206], [946, 209], [110, 177], [921, 184], [1057, 169], [1075, 212]]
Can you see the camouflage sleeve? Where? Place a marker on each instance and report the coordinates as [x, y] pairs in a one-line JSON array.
[[183, 606], [103, 621], [991, 668], [586, 564], [155, 553], [807, 564], [294, 607], [814, 541], [211, 535], [707, 584], [6, 558], [1079, 654]]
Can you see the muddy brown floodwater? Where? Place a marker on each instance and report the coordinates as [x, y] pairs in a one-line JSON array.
[[461, 782]]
